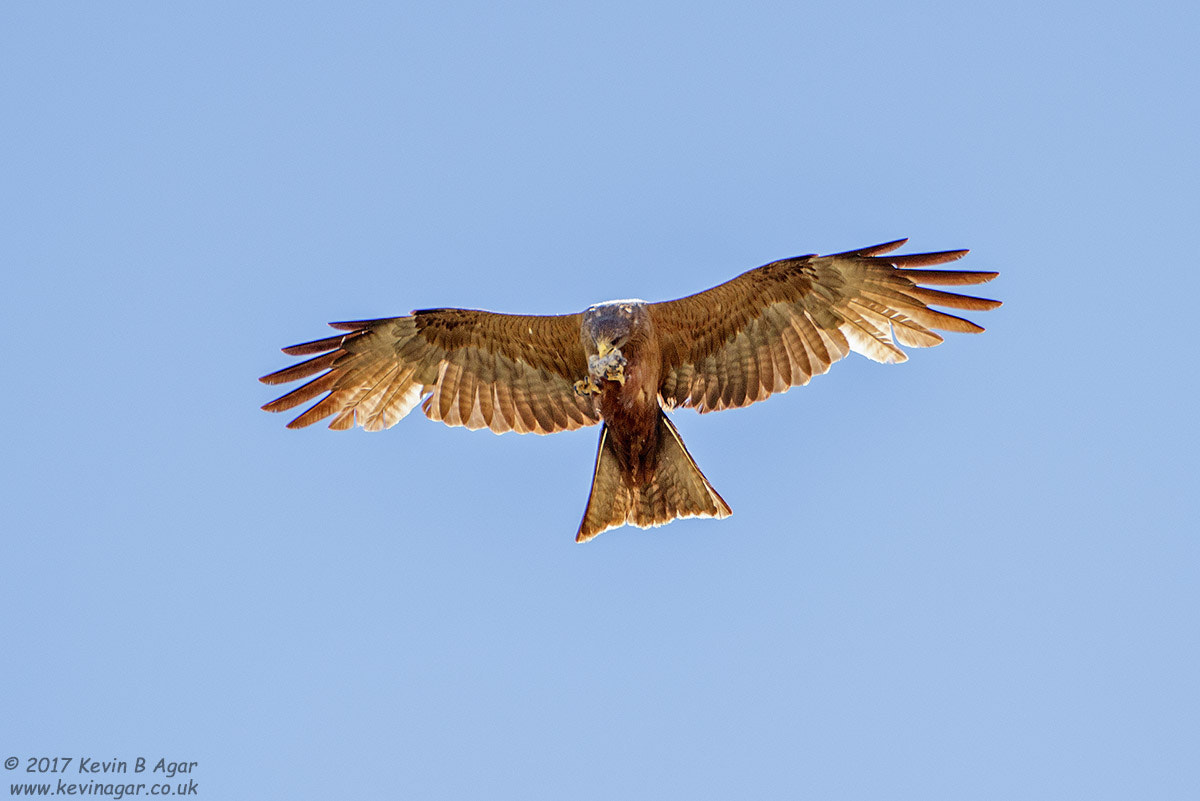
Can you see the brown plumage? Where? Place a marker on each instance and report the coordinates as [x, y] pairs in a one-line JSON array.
[[623, 362]]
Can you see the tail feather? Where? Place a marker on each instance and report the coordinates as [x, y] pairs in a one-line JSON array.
[[677, 488]]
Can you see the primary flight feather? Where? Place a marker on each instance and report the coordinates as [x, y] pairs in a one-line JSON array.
[[621, 363]]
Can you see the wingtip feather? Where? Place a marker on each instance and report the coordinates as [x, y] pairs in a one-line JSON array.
[[947, 277], [358, 325], [874, 250]]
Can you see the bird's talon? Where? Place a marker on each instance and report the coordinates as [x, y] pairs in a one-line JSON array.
[[586, 387]]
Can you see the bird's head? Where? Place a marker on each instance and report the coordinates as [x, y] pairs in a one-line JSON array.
[[608, 327]]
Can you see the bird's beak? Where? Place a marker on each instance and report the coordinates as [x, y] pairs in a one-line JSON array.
[[605, 347]]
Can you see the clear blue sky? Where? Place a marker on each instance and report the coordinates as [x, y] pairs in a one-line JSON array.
[[974, 575]]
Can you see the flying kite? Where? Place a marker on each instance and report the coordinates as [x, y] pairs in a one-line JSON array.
[[624, 362]]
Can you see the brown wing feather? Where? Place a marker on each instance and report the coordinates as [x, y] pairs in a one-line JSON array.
[[476, 369], [779, 325]]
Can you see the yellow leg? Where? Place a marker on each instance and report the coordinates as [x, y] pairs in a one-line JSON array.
[[586, 387]]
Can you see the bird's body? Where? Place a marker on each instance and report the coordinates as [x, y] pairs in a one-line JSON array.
[[623, 363], [627, 384], [644, 474]]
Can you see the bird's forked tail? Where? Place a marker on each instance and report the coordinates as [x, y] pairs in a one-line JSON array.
[[675, 488]]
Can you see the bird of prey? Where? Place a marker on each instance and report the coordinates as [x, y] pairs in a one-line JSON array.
[[624, 362]]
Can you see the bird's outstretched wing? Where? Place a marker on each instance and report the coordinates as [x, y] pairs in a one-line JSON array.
[[477, 369], [779, 325]]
